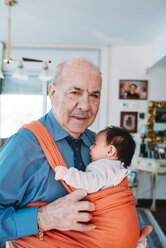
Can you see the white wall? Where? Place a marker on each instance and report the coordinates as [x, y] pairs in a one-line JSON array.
[[158, 49], [130, 63], [125, 63]]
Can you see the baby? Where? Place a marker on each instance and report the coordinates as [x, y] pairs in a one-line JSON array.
[[111, 154]]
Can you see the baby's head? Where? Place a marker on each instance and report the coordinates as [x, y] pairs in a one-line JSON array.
[[113, 143]]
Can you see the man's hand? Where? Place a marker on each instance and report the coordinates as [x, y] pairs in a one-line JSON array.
[[60, 172], [66, 213]]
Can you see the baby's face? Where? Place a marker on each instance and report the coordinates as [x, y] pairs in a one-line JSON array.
[[99, 149]]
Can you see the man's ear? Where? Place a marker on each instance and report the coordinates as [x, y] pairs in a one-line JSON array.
[[112, 152], [51, 92]]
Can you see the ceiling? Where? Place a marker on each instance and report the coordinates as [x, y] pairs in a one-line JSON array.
[[84, 22]]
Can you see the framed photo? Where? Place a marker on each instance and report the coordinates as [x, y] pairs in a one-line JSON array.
[[128, 120], [133, 89]]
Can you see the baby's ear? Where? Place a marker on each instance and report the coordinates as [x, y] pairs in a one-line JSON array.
[[112, 152]]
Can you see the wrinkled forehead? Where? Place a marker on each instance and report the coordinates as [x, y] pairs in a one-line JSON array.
[[79, 70]]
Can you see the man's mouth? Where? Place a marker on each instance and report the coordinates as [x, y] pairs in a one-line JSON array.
[[79, 117]]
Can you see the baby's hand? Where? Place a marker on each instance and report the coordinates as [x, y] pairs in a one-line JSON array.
[[60, 172]]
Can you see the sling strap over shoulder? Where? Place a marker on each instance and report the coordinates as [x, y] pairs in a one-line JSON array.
[[48, 146]]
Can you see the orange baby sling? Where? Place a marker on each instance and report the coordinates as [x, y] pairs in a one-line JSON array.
[[115, 214]]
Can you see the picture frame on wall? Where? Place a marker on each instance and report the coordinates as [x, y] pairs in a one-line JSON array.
[[128, 120], [133, 89]]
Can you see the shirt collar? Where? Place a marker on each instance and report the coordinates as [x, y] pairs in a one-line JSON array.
[[86, 138], [60, 133]]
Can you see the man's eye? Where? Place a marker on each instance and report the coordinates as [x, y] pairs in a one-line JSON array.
[[75, 92], [95, 96]]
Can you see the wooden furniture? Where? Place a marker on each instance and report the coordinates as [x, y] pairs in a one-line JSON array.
[[154, 167]]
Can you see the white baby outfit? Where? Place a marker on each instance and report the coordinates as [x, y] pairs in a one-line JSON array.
[[100, 174]]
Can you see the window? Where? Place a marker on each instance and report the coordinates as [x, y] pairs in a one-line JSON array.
[[20, 103]]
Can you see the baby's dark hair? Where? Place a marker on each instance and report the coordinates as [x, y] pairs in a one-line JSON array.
[[123, 141]]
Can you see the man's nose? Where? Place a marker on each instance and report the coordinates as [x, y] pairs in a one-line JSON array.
[[84, 103]]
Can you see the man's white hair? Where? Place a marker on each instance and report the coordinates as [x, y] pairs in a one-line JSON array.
[[57, 73]]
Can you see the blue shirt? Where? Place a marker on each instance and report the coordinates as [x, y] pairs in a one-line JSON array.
[[26, 176]]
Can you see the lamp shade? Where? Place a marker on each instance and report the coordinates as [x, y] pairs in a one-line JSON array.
[[20, 72], [45, 74]]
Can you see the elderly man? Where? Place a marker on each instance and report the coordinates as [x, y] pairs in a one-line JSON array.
[[25, 174]]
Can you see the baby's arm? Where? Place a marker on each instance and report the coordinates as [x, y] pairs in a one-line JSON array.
[[91, 181]]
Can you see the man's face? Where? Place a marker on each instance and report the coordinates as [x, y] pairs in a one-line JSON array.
[[76, 99]]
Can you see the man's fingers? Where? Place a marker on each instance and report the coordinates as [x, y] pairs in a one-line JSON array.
[[74, 216], [84, 217], [85, 206], [77, 195]]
